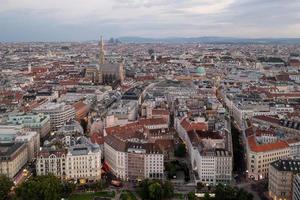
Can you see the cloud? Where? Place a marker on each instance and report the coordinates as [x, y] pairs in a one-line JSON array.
[[86, 19]]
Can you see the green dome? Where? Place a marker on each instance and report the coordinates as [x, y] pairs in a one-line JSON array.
[[200, 70]]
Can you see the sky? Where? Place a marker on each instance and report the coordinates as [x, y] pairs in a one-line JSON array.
[[83, 20]]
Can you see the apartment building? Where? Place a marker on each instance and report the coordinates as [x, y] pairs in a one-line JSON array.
[[260, 155], [131, 157], [13, 157], [80, 161], [210, 152], [51, 161], [15, 133], [281, 178], [83, 161], [32, 140]]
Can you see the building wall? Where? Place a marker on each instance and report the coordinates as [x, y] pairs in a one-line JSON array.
[[258, 162], [223, 166], [116, 160], [136, 162], [86, 166], [154, 166], [280, 184], [132, 165], [59, 116], [12, 166], [53, 164], [296, 187], [83, 166], [32, 140]]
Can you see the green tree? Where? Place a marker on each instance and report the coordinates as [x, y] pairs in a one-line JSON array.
[[206, 196], [144, 189], [99, 185], [243, 195], [180, 151], [168, 189], [67, 189], [5, 186], [231, 193], [40, 187], [155, 191], [191, 196]]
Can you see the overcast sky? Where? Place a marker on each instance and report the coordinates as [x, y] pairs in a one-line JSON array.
[[57, 20]]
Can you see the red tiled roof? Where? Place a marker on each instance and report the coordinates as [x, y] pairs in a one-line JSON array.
[[160, 112], [189, 126], [79, 105], [97, 138], [265, 147], [152, 121], [268, 119]]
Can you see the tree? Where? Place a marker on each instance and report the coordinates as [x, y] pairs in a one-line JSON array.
[[144, 189], [180, 151], [5, 186], [200, 185], [40, 187], [191, 196], [67, 189], [206, 196], [99, 185], [155, 191], [168, 189], [230, 193]]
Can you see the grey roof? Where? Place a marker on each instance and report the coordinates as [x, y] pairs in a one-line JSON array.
[[287, 165], [7, 149]]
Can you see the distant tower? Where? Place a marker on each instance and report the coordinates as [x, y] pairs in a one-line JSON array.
[[101, 53], [29, 68]]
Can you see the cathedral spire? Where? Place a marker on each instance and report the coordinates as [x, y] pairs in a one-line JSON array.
[[101, 53]]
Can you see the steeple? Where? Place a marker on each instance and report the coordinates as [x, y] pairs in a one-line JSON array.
[[101, 53]]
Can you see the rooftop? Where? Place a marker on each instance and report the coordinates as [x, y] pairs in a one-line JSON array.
[[287, 165]]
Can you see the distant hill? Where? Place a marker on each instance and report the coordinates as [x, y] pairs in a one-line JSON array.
[[211, 40]]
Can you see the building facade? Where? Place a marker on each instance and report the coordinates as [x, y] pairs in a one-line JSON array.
[[13, 157], [281, 178], [59, 113], [296, 187], [80, 161], [133, 159]]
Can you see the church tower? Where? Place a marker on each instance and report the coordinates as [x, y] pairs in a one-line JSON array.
[[101, 52]]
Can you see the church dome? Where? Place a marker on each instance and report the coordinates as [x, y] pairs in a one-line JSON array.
[[200, 71]]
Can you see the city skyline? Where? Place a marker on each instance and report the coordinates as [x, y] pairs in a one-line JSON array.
[[31, 20]]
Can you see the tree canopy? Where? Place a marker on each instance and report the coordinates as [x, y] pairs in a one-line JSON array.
[[155, 189], [231, 193], [40, 187], [5, 186]]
